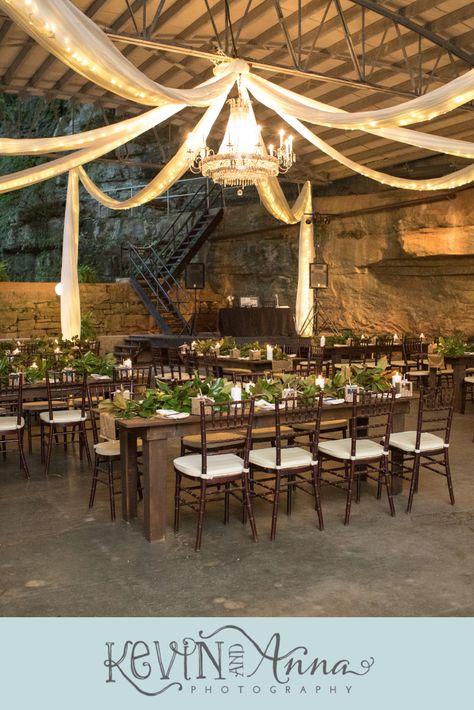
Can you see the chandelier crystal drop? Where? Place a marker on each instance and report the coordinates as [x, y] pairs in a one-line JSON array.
[[242, 158]]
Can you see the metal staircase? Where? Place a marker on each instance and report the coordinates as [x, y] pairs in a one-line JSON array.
[[155, 268]]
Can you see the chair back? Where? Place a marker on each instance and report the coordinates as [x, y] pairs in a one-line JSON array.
[[159, 360], [384, 347], [11, 400], [176, 363], [297, 410], [371, 418], [412, 349], [67, 389], [435, 413], [223, 417], [313, 365], [139, 376]]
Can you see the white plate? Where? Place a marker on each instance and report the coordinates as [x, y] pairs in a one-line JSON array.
[[333, 401]]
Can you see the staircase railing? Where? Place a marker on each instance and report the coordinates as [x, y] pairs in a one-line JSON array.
[[146, 265], [200, 202]]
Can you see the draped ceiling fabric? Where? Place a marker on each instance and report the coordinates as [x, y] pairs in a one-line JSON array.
[[70, 299], [71, 36]]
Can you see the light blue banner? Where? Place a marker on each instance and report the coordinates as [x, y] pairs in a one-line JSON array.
[[334, 664]]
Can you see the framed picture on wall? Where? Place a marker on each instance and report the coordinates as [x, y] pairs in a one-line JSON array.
[[318, 275]]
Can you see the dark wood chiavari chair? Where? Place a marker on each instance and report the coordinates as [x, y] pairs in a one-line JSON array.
[[12, 423], [285, 467], [206, 477], [106, 450], [360, 454], [428, 446], [69, 389], [139, 376]]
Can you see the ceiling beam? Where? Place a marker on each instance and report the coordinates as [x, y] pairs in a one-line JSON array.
[[274, 68], [421, 30]]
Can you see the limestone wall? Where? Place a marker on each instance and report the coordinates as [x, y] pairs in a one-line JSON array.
[[404, 269], [32, 309]]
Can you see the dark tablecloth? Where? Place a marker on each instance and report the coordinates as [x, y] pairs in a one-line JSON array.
[[256, 321]]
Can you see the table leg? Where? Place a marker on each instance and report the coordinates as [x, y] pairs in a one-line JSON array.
[[128, 459], [155, 474], [397, 456], [459, 373]]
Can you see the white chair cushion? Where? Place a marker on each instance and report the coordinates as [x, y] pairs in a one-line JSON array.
[[469, 380], [111, 447], [64, 416], [405, 440], [294, 457], [108, 448], [219, 465], [41, 406], [10, 424], [341, 449]]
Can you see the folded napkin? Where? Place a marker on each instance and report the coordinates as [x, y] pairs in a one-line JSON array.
[[333, 400], [95, 376], [263, 404], [172, 414]]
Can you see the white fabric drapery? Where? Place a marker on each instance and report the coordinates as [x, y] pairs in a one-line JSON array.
[[283, 101], [78, 141], [66, 32], [172, 171], [275, 202], [101, 146], [454, 179], [70, 298], [426, 107]]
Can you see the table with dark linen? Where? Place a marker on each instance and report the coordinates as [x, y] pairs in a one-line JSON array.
[[256, 321]]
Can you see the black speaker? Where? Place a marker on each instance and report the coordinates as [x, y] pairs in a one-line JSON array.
[[195, 275], [318, 275]]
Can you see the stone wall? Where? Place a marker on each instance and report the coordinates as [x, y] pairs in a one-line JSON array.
[[32, 309], [403, 269]]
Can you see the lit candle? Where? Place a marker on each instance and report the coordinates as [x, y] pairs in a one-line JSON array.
[[16, 351], [34, 366], [320, 381], [57, 351], [322, 341], [397, 381], [395, 338], [422, 337], [270, 149], [127, 363], [236, 393], [269, 352]]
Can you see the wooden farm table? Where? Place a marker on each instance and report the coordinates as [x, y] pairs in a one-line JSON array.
[[237, 363], [38, 390], [155, 434]]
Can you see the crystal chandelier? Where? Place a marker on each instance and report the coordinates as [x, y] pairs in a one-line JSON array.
[[242, 158]]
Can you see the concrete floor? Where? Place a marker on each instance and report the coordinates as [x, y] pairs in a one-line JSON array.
[[57, 558]]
